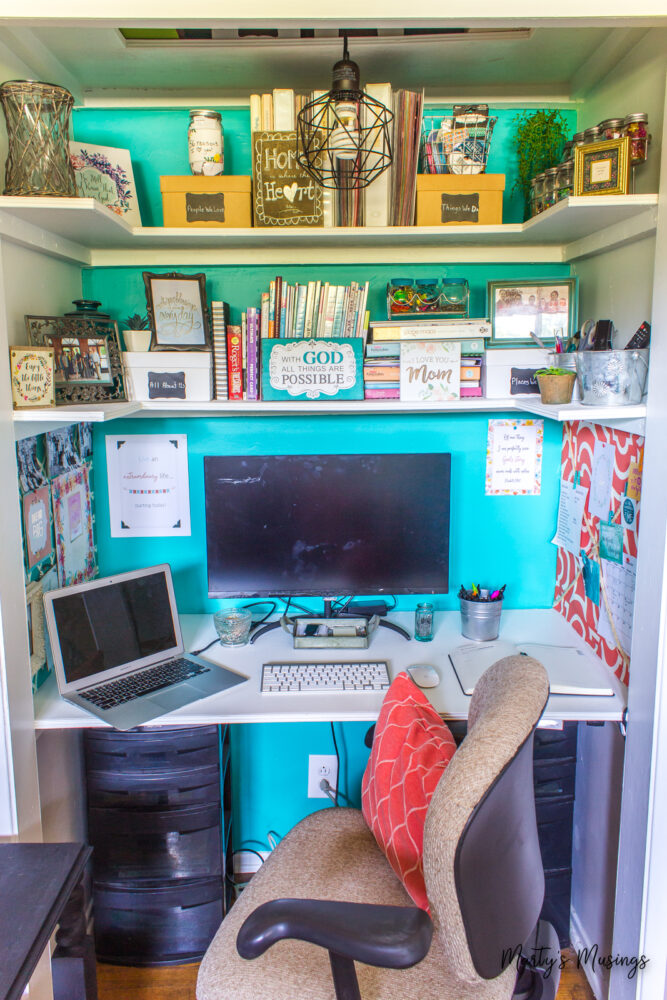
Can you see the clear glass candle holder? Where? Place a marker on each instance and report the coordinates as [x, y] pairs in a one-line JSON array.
[[233, 626]]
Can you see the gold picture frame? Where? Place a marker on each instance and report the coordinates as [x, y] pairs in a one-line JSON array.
[[34, 597], [602, 168]]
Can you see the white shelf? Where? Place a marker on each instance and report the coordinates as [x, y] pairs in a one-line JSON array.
[[80, 229], [38, 421], [29, 422], [623, 418]]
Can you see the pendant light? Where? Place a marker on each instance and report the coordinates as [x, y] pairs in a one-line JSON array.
[[343, 137]]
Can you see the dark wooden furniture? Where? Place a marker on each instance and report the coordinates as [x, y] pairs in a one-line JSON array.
[[39, 890]]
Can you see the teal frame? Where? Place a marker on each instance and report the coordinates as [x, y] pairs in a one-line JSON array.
[[493, 287]]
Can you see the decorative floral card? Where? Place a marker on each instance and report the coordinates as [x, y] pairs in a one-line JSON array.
[[37, 526], [514, 457], [73, 522], [149, 493], [430, 370], [105, 174]]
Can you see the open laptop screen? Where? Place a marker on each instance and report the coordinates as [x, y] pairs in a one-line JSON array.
[[109, 626]]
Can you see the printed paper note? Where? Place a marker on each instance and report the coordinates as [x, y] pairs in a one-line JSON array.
[[611, 542], [570, 516], [148, 485], [619, 584], [634, 486], [514, 457], [602, 474]]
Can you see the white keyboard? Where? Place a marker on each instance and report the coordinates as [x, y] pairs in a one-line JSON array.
[[299, 677]]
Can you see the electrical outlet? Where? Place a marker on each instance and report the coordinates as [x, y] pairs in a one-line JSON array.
[[321, 765]]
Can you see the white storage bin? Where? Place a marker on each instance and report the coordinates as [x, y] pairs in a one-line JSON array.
[[507, 370], [168, 375]]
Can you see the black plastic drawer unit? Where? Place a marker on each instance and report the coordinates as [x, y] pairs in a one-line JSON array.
[[158, 924], [161, 849]]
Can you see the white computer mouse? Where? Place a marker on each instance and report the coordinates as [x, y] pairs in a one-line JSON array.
[[424, 675]]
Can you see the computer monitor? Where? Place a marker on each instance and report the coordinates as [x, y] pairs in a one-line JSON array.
[[327, 525]]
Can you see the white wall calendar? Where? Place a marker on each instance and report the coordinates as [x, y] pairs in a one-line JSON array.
[[149, 490]]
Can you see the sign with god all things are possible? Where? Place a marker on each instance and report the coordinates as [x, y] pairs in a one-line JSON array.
[[284, 194], [312, 369]]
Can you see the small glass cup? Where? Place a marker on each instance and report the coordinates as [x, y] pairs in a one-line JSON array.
[[424, 622], [233, 626]]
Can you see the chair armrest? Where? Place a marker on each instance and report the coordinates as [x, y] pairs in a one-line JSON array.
[[393, 937]]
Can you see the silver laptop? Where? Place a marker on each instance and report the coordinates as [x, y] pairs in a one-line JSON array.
[[118, 650]]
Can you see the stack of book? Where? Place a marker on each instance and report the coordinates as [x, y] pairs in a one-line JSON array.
[[382, 376], [317, 309], [382, 363]]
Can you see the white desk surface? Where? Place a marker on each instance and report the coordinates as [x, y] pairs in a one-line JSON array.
[[245, 702]]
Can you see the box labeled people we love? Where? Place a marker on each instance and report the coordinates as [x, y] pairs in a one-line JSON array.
[[206, 202]]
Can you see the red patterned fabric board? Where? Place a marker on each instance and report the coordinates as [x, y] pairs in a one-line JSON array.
[[412, 746], [570, 600]]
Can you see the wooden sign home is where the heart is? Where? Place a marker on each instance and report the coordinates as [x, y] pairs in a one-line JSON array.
[[284, 194]]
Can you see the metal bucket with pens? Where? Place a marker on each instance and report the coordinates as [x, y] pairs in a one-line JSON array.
[[480, 613]]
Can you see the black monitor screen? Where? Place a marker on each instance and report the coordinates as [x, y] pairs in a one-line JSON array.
[[327, 524]]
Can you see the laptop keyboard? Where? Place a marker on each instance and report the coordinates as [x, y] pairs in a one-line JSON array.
[[144, 682]]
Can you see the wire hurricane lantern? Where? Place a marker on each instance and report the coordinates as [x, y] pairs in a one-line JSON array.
[[344, 137], [38, 119]]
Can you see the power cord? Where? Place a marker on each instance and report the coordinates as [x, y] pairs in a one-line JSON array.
[[335, 743]]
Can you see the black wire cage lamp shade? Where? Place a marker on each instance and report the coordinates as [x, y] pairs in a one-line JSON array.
[[344, 137]]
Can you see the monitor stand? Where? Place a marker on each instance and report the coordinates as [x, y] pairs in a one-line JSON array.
[[328, 613]]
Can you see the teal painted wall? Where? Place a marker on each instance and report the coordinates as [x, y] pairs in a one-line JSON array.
[[157, 140], [501, 539]]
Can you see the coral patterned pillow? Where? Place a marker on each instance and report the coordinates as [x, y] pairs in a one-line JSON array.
[[412, 746]]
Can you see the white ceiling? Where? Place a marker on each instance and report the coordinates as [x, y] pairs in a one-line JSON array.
[[97, 64]]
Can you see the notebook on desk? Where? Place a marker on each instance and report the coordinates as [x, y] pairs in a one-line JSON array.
[[570, 670], [118, 650]]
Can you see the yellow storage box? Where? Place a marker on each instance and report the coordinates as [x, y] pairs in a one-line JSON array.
[[460, 199], [206, 202]]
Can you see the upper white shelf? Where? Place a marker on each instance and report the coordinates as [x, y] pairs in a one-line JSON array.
[[82, 230], [29, 422]]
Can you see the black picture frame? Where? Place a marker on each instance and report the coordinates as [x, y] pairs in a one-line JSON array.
[[179, 316], [87, 361]]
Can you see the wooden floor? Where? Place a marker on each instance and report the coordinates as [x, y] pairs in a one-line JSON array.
[[177, 982]]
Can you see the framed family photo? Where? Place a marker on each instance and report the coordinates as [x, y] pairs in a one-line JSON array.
[[546, 307], [86, 357], [176, 306]]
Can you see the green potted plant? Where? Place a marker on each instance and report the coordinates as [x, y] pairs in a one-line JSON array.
[[539, 138], [556, 384], [136, 333]]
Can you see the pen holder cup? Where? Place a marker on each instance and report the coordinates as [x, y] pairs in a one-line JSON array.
[[480, 620]]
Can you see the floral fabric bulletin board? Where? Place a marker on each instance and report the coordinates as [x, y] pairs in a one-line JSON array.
[[595, 582]]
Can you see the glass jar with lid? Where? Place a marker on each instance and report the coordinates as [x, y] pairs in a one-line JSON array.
[[538, 181], [635, 127], [567, 151], [550, 190], [532, 197], [206, 142], [577, 140], [611, 128], [592, 134], [565, 180]]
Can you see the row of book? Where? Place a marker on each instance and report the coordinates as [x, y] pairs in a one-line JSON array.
[[387, 201], [315, 309]]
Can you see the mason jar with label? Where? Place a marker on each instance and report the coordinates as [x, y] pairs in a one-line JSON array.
[[206, 143], [635, 126], [611, 128], [592, 134], [565, 180], [550, 190]]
